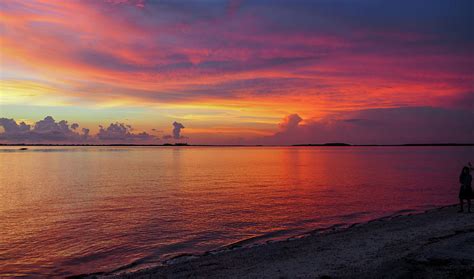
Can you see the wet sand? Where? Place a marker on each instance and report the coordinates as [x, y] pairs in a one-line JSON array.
[[438, 243]]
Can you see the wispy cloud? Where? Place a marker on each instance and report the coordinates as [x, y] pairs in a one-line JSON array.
[[313, 57]]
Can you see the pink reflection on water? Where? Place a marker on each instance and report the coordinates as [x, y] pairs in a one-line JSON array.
[[79, 210]]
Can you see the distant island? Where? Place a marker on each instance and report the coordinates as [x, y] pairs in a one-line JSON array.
[[176, 144], [325, 144]]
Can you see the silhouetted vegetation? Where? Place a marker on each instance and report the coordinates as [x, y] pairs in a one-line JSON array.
[[325, 144]]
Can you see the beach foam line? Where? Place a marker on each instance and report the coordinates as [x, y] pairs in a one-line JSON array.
[[434, 244], [256, 242]]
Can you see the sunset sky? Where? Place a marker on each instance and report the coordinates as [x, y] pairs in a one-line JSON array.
[[237, 72]]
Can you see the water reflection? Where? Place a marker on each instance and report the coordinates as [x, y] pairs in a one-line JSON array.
[[75, 210]]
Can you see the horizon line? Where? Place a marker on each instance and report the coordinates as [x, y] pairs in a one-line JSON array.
[[241, 145]]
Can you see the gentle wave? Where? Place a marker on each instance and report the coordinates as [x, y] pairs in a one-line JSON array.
[[151, 261]]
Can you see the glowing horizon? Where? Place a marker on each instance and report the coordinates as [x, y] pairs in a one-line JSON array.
[[232, 71]]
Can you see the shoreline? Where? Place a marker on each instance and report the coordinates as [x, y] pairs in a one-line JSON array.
[[339, 252]]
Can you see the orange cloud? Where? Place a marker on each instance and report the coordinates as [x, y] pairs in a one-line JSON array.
[[238, 58]]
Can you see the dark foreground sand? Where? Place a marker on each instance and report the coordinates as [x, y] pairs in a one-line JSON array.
[[436, 244]]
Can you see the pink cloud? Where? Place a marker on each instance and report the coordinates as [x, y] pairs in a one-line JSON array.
[[379, 126]]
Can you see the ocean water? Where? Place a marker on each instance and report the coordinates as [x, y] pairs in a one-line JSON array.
[[74, 210]]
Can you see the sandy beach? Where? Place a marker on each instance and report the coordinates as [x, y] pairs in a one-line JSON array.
[[438, 243]]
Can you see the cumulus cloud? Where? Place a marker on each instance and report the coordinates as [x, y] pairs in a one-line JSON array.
[[290, 122], [44, 130], [11, 127], [379, 126], [49, 130], [120, 132], [85, 133], [177, 130]]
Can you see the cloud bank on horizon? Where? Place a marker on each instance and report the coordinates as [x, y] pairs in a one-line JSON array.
[[380, 126], [50, 131], [371, 126], [231, 70]]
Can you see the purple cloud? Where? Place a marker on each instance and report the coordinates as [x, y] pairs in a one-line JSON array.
[[380, 126], [176, 133], [290, 122], [177, 130], [44, 130], [11, 127], [49, 130], [120, 132]]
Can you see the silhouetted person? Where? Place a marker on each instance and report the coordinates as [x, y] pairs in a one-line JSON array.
[[466, 191]]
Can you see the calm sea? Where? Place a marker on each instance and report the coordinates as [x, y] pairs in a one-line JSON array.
[[74, 210]]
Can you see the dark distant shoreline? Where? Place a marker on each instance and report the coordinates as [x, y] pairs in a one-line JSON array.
[[248, 145], [405, 144]]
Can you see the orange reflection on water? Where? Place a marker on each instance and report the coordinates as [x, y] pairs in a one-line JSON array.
[[72, 210]]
